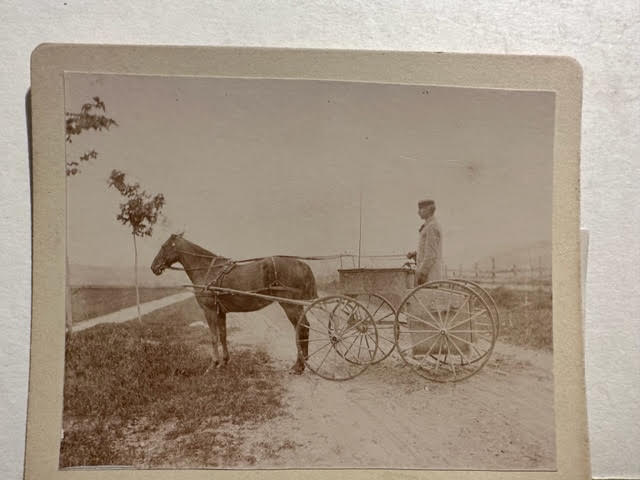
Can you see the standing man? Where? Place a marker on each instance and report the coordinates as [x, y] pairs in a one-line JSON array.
[[428, 257]]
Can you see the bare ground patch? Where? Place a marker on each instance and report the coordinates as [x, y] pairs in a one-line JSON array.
[[502, 418]]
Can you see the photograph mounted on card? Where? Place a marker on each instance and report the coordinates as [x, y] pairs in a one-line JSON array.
[[259, 261]]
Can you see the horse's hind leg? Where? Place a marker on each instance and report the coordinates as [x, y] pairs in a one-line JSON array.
[[294, 313], [222, 330], [212, 320]]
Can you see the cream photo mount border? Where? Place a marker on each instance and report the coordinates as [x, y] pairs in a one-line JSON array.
[[49, 62]]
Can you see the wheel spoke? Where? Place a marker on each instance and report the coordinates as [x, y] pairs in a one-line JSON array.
[[427, 310], [460, 309], [468, 343], [317, 340], [377, 309], [422, 320], [313, 329], [351, 327], [342, 338], [325, 357], [446, 320], [315, 315], [366, 340], [352, 344], [420, 342], [467, 319], [382, 318], [439, 353], [427, 330], [451, 365], [428, 354], [462, 356], [327, 345]]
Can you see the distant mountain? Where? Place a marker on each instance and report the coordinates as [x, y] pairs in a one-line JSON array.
[[94, 275]]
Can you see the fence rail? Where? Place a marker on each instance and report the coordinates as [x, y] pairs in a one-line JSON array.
[[514, 274], [532, 274]]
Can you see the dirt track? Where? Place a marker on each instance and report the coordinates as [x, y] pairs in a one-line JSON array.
[[502, 418]]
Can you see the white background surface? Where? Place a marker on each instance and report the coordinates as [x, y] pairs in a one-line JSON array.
[[602, 36]]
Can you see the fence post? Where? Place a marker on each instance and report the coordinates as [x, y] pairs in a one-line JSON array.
[[493, 270], [539, 268]]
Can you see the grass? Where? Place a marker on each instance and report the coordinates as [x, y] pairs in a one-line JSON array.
[[90, 302], [146, 402], [526, 317]]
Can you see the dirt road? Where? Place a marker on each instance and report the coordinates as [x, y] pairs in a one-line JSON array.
[[502, 418], [130, 313]]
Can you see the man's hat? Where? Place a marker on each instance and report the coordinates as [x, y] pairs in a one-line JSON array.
[[426, 203]]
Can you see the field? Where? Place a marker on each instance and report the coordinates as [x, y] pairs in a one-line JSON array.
[[526, 316], [89, 302], [145, 402]]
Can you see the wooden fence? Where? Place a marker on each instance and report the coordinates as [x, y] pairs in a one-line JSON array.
[[533, 274], [513, 274]]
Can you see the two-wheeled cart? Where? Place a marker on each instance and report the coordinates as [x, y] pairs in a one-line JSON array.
[[444, 330]]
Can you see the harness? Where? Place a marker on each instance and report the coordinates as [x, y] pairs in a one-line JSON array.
[[228, 266]]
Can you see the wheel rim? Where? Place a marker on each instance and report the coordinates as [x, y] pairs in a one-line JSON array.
[[342, 337], [445, 331], [486, 296], [384, 314]]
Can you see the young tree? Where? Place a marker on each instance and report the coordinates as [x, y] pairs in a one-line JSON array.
[[140, 211], [91, 117]]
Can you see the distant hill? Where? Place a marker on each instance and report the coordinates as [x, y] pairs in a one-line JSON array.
[[93, 275]]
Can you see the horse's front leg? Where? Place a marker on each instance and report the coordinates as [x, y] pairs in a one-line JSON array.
[[222, 331], [212, 321]]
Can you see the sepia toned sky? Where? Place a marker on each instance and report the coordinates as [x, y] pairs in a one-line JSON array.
[[253, 167]]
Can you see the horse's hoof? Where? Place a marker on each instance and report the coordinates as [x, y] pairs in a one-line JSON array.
[[296, 370], [211, 367]]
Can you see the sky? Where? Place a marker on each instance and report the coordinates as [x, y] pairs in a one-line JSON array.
[[253, 167]]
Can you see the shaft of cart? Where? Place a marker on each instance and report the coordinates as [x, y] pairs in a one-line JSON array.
[[231, 291]]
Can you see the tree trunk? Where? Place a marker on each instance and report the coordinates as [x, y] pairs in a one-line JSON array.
[[69, 314], [68, 324], [135, 271]]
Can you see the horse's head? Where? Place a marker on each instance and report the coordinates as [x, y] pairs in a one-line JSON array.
[[168, 254]]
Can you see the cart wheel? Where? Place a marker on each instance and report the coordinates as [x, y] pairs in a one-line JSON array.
[[384, 316], [486, 296], [445, 331], [342, 337]]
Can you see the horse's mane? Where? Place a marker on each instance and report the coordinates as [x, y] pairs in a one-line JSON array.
[[195, 248]]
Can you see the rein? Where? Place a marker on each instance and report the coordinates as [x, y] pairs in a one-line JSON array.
[[246, 260]]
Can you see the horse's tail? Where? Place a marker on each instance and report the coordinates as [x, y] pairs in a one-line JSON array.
[[311, 289]]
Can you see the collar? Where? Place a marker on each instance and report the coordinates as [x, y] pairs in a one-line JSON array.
[[426, 222]]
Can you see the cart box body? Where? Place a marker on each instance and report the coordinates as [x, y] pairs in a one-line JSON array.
[[391, 283]]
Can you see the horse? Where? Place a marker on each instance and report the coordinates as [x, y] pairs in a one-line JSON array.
[[281, 276]]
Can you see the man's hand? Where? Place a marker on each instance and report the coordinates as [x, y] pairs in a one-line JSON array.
[[412, 255]]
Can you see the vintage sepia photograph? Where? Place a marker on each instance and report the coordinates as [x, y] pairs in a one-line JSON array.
[[270, 273]]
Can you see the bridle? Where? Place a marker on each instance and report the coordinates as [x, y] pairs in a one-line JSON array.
[[201, 255], [229, 262]]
